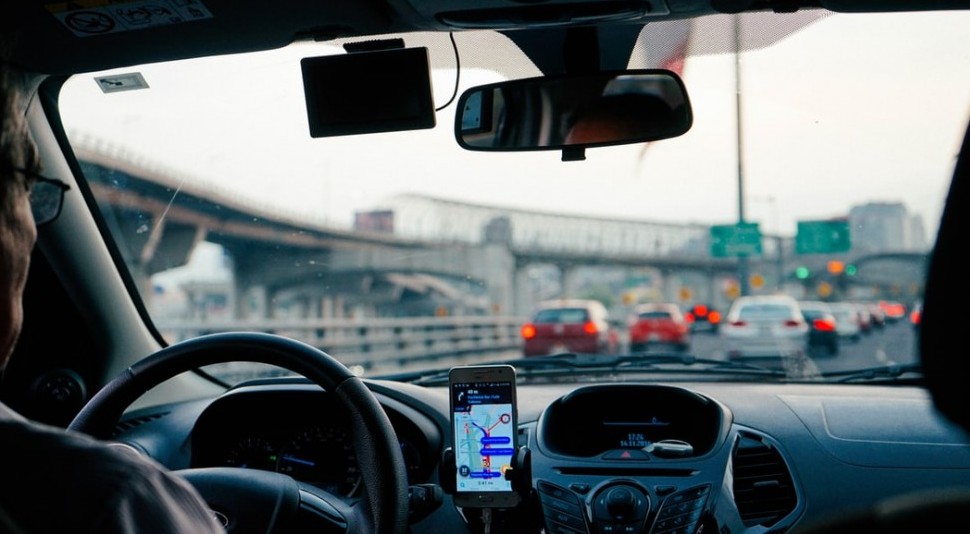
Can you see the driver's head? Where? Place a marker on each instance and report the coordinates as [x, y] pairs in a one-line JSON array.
[[618, 118], [18, 159]]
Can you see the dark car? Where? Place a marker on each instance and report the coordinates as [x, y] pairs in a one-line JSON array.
[[574, 325], [658, 325], [876, 315], [703, 318], [823, 337]]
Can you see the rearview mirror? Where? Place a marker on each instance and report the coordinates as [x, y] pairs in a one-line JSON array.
[[549, 113]]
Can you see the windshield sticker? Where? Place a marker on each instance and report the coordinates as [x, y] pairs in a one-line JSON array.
[[121, 82], [97, 17]]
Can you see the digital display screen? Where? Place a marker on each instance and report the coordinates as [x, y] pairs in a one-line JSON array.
[[368, 92], [636, 434], [484, 440]]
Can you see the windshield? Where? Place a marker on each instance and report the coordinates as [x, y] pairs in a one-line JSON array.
[[829, 138]]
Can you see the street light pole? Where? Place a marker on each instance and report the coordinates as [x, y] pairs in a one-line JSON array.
[[742, 259]]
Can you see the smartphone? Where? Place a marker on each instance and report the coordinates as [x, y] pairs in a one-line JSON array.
[[484, 427]]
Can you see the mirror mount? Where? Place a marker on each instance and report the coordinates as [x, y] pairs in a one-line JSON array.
[[574, 153], [581, 50]]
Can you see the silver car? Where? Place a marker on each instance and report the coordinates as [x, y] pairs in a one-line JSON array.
[[847, 320], [769, 326]]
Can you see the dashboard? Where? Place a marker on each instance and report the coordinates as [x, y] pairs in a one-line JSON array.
[[604, 458]]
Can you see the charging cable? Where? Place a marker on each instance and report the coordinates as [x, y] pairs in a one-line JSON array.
[[487, 519]]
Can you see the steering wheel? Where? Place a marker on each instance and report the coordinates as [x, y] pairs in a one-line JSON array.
[[262, 501]]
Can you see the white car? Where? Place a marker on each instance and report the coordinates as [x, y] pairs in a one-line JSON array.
[[769, 326], [847, 320]]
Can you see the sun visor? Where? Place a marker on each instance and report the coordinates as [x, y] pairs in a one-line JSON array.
[[368, 92]]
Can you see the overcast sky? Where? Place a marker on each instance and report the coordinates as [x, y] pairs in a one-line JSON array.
[[874, 113]]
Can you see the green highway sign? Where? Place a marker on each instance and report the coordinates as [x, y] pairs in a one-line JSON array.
[[822, 237], [735, 240]]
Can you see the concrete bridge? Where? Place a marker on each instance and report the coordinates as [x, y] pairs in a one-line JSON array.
[[478, 259]]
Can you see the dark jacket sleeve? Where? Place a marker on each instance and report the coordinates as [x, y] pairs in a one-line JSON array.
[[58, 481], [153, 500]]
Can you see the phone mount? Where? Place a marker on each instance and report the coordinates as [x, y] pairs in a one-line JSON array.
[[501, 520]]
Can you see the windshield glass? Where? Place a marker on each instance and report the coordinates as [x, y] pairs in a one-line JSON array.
[[829, 139]]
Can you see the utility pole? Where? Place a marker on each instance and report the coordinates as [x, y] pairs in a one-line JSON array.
[[744, 284]]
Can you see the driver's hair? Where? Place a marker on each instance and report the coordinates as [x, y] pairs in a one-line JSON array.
[[17, 148]]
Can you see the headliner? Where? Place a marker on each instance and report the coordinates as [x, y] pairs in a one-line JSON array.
[[44, 44]]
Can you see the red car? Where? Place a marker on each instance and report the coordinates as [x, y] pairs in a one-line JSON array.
[[658, 325], [569, 325]]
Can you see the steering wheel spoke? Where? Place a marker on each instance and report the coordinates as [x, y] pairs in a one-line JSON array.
[[327, 513]]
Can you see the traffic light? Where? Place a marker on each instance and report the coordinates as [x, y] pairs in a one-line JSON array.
[[802, 272], [851, 270], [835, 267]]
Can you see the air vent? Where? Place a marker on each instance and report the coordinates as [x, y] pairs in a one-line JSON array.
[[128, 424], [763, 487]]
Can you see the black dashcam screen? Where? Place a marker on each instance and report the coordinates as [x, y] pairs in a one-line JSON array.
[[368, 92]]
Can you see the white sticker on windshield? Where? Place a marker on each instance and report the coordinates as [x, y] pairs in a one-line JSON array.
[[121, 82], [97, 17]]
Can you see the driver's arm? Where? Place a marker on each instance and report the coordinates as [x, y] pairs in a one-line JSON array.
[[57, 481], [151, 499]]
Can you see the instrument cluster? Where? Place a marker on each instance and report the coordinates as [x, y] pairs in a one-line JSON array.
[[300, 433]]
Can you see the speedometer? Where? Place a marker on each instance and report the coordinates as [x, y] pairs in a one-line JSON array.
[[322, 455], [252, 453]]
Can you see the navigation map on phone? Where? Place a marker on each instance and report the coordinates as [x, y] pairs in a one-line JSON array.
[[484, 435]]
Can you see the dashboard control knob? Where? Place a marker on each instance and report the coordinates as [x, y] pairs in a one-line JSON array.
[[620, 507], [621, 503]]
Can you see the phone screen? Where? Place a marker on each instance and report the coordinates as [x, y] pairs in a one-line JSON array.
[[484, 423]]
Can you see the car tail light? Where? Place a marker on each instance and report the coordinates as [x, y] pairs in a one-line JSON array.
[[823, 325], [792, 323], [739, 323], [589, 327], [700, 310], [689, 317], [914, 316], [714, 317], [528, 331]]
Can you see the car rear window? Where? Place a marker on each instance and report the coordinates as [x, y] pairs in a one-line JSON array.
[[562, 315], [765, 311], [655, 315]]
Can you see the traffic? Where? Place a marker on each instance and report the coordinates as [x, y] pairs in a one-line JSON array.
[[876, 334]]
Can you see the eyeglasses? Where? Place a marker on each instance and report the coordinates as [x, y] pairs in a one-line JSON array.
[[46, 197]]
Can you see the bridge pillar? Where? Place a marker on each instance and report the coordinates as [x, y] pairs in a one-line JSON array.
[[253, 302], [332, 307], [523, 293], [570, 280], [500, 278]]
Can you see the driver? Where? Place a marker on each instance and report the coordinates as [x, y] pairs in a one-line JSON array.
[[52, 480]]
